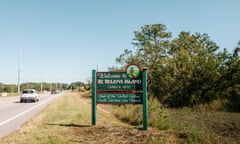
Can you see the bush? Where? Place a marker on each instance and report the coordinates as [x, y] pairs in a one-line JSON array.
[[157, 114], [234, 99], [129, 113]]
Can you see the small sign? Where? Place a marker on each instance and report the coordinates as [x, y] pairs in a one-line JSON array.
[[133, 71]]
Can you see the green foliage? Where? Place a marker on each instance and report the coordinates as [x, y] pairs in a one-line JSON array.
[[80, 86], [193, 67], [45, 86], [157, 114], [185, 71], [9, 88], [231, 83], [129, 113]]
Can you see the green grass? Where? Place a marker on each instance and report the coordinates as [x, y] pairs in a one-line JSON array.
[[157, 114]]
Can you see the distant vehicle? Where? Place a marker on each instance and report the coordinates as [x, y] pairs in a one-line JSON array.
[[53, 91], [29, 95]]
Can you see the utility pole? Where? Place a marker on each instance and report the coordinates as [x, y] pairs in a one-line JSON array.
[[19, 67], [41, 87], [41, 83]]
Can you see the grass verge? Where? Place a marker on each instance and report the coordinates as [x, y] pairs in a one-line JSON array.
[[54, 124]]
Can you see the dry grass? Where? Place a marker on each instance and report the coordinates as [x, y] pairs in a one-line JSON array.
[[206, 126]]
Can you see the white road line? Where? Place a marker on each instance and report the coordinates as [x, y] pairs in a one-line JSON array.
[[16, 116]]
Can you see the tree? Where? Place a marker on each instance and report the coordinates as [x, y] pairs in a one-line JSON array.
[[184, 71], [152, 44], [77, 86], [231, 81], [193, 66]]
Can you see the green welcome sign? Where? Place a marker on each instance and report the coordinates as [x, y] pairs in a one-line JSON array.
[[125, 87], [117, 87]]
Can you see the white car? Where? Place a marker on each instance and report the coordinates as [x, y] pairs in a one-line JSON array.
[[29, 95]]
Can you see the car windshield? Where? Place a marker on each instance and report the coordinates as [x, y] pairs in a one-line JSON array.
[[28, 91]]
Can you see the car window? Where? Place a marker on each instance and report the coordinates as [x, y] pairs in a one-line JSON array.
[[28, 92]]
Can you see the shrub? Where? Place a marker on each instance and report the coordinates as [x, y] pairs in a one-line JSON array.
[[157, 114]]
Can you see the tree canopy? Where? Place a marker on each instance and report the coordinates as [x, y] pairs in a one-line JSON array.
[[187, 70]]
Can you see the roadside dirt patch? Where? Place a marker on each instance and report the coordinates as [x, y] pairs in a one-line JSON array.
[[121, 135], [111, 130]]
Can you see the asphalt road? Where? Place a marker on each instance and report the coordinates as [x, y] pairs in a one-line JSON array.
[[13, 113]]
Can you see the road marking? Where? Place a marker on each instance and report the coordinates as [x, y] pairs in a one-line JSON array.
[[16, 116]]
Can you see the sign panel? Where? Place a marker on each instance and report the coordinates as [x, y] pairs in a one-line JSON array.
[[120, 87], [117, 81], [120, 98]]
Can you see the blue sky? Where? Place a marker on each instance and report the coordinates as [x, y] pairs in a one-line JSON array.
[[63, 40]]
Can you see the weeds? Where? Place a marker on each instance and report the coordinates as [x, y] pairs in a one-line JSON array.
[[202, 124], [157, 114]]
